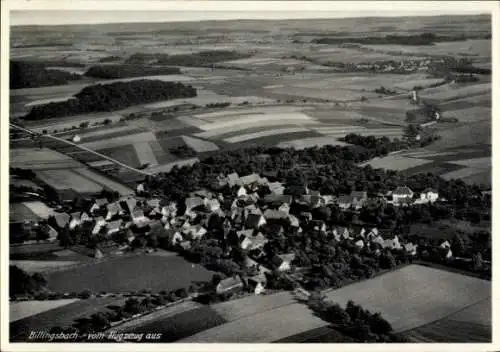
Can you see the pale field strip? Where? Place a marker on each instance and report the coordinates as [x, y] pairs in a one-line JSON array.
[[156, 147], [20, 310], [252, 61], [39, 209], [104, 181], [461, 173], [71, 123], [188, 120], [169, 166], [380, 133], [33, 266], [144, 153], [31, 155], [414, 295], [120, 141], [470, 114], [449, 92], [395, 162], [480, 313], [46, 101], [340, 129], [480, 163], [355, 82], [476, 99], [251, 124], [198, 145], [311, 142], [231, 117], [101, 163], [251, 111], [399, 103], [263, 327], [67, 179], [337, 94], [251, 305], [105, 131], [256, 135], [472, 46], [255, 119], [160, 314], [74, 70]]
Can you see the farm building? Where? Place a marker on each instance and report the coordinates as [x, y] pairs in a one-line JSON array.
[[283, 262], [402, 194], [257, 283], [230, 284]]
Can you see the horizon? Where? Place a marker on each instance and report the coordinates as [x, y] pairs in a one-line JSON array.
[[53, 18]]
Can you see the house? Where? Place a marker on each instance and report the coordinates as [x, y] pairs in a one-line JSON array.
[[249, 180], [141, 188], [98, 204], [344, 202], [76, 219], [328, 199], [196, 232], [244, 238], [306, 215], [153, 203], [98, 254], [392, 243], [113, 226], [276, 188], [402, 194], [342, 233], [99, 223], [231, 284], [378, 240], [169, 210], [270, 214], [61, 219], [311, 201], [318, 225], [174, 237], [213, 205], [359, 243], [258, 241], [128, 204], [50, 232], [429, 195], [193, 203], [250, 263], [138, 218], [112, 210], [241, 192], [186, 245], [283, 262], [233, 180], [263, 181], [254, 221], [257, 283], [202, 193], [85, 217], [294, 222], [361, 195], [277, 199], [410, 248], [445, 244]]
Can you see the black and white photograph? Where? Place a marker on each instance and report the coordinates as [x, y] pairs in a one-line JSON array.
[[248, 173]]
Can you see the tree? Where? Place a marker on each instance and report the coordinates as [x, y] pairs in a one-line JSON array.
[[99, 321], [132, 306]]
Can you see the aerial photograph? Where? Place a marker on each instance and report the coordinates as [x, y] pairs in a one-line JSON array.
[[249, 177]]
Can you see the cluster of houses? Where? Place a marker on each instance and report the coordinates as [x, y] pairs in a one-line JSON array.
[[245, 214]]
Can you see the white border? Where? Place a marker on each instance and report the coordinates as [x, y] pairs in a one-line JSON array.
[[378, 7]]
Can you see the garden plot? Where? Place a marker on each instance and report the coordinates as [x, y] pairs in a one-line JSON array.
[[39, 209], [120, 141], [21, 310], [34, 266], [415, 295], [199, 145], [67, 179], [311, 142], [104, 181], [395, 162], [256, 135], [40, 159], [145, 154]]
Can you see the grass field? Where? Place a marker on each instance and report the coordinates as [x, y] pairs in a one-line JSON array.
[[39, 209], [471, 114], [199, 145], [18, 212], [21, 310], [310, 142], [455, 91], [62, 316], [40, 159], [145, 153], [125, 154], [120, 141], [257, 135], [415, 295], [130, 274], [67, 179], [33, 266], [395, 162]]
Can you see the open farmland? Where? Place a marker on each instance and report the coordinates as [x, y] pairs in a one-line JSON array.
[[199, 145], [455, 91], [39, 208], [471, 114], [66, 179], [40, 159], [395, 162], [33, 266], [311, 142], [63, 316], [20, 310], [129, 274]]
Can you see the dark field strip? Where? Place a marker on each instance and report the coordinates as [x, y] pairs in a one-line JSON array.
[[175, 132], [254, 130], [458, 105], [447, 330], [112, 135], [460, 156], [182, 325], [125, 154], [62, 316], [170, 142], [322, 334], [436, 168], [269, 140]]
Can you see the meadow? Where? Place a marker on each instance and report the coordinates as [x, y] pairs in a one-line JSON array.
[[130, 274], [21, 310]]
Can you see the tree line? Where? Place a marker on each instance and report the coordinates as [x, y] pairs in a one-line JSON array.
[[412, 39], [126, 71], [32, 74], [113, 96], [201, 58]]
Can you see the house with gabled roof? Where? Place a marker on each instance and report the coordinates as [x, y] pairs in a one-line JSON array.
[[85, 217], [113, 209], [141, 188], [244, 238], [61, 219], [98, 204], [378, 240], [241, 192], [359, 243], [213, 205], [138, 218], [113, 226], [276, 188], [285, 208], [231, 284], [193, 203], [196, 232], [430, 195], [128, 204], [410, 248], [278, 199], [310, 201], [255, 221], [49, 231], [342, 233], [233, 180], [402, 194], [283, 262], [75, 220], [99, 224], [263, 181], [174, 237], [306, 215], [249, 180], [257, 283], [294, 222], [445, 244], [271, 214], [344, 201]]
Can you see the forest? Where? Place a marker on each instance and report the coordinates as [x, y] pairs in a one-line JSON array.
[[412, 39], [32, 75], [126, 71], [113, 96]]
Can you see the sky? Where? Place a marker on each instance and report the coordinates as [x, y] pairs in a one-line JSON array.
[[158, 11]]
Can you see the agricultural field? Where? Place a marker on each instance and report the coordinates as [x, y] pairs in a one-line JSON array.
[[21, 310], [19, 212], [129, 274], [39, 209], [33, 266], [40, 159], [62, 316], [395, 162]]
